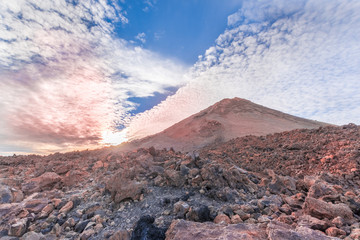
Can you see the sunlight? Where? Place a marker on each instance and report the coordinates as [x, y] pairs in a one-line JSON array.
[[114, 138]]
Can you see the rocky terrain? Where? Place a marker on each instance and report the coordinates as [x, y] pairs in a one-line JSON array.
[[225, 120], [300, 184]]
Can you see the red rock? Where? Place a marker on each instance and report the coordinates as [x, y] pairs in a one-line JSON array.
[[56, 202], [122, 187], [120, 235], [67, 207], [19, 228], [185, 230], [87, 234], [47, 180], [18, 195], [181, 208], [280, 231], [63, 168], [222, 218], [338, 222], [36, 205], [74, 177], [46, 211], [320, 189], [320, 209], [236, 219], [355, 234], [97, 165], [313, 223], [174, 178], [335, 232]]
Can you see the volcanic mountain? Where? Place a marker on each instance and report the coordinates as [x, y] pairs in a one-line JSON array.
[[225, 120]]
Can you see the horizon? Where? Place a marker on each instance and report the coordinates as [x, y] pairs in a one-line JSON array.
[[77, 76]]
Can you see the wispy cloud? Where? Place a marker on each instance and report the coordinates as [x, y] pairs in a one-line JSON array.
[[65, 78], [300, 57], [141, 37]]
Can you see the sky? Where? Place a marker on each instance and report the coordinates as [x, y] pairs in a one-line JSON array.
[[84, 74]]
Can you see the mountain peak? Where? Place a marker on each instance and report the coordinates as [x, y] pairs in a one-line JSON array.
[[225, 120]]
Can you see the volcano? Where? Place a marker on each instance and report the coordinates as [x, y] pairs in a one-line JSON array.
[[225, 120]]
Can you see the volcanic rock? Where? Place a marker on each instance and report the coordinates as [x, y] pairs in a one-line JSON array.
[[280, 231], [5, 194], [222, 219], [19, 228], [145, 229], [320, 209], [183, 230], [335, 232], [120, 235], [121, 187], [313, 223]]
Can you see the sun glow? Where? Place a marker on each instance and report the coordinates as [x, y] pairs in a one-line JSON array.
[[114, 138]]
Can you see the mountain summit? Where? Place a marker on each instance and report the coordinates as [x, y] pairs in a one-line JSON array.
[[227, 119]]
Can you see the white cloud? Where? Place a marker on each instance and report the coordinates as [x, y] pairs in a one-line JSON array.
[[65, 79], [300, 57], [141, 37]]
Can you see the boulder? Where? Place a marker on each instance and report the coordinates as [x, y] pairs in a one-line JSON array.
[[32, 236], [120, 235], [180, 209], [46, 210], [313, 223], [281, 231], [321, 189], [36, 205], [174, 178], [335, 232], [18, 228], [74, 177], [267, 201], [355, 234], [67, 207], [321, 209], [145, 229], [281, 184], [5, 194], [295, 201], [184, 230], [46, 181], [122, 186], [199, 214], [236, 219], [222, 219]]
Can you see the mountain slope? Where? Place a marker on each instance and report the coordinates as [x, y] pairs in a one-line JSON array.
[[227, 119]]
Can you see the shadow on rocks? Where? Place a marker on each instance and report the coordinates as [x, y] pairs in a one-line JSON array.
[[146, 230]]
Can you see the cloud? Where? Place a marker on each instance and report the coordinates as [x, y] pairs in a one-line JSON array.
[[141, 37], [300, 57], [65, 77], [149, 4]]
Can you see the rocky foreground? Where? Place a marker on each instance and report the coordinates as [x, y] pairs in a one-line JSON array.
[[302, 184]]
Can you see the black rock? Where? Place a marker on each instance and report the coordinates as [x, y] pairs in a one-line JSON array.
[[3, 233], [146, 230], [203, 213], [229, 212], [61, 221], [81, 226], [61, 204], [185, 197], [76, 202], [48, 229]]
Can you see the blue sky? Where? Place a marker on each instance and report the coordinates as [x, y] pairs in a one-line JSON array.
[[176, 29], [83, 74]]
